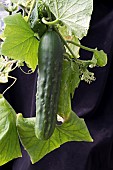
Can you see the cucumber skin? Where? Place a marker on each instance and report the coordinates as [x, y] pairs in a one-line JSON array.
[[50, 61]]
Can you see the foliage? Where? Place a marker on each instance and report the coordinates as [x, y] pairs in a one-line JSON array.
[[9, 142], [72, 130], [75, 15], [20, 43]]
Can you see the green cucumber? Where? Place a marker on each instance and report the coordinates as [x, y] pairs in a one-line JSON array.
[[50, 61]]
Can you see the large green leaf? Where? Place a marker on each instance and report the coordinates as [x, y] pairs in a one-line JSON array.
[[69, 82], [75, 14], [9, 142], [20, 43], [72, 130]]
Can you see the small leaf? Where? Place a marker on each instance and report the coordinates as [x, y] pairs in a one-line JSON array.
[[74, 14], [20, 43], [69, 82], [101, 57], [9, 142], [72, 130], [74, 77]]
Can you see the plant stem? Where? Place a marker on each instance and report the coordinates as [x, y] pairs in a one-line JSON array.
[[49, 23], [11, 84], [26, 72], [67, 56], [65, 43], [81, 46], [31, 8], [10, 13]]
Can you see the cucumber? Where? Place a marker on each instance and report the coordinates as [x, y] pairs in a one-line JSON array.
[[50, 61]]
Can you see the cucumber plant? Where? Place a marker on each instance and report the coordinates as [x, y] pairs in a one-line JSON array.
[[46, 34]]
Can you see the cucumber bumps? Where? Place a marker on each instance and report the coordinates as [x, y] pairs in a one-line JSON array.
[[48, 86]]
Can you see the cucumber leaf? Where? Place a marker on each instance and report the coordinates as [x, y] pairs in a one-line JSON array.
[[101, 58], [20, 43], [9, 142], [69, 82], [74, 14], [73, 130]]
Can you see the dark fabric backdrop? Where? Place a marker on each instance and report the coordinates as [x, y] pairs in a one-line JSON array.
[[93, 102]]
